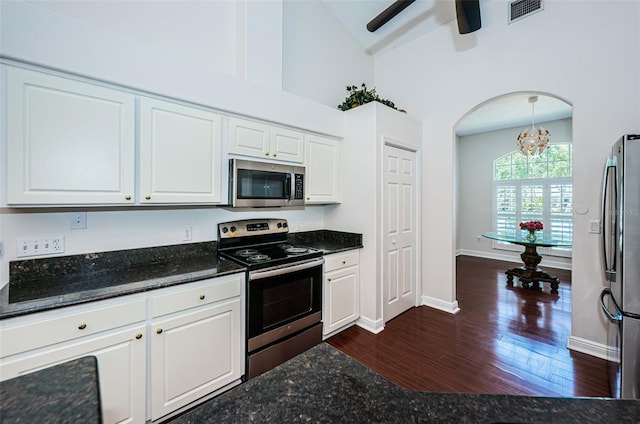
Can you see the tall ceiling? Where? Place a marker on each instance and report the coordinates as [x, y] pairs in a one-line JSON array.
[[421, 17], [417, 19]]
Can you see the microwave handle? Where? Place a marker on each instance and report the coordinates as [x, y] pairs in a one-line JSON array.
[[287, 186]]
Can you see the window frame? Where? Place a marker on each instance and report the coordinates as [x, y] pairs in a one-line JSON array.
[[546, 216]]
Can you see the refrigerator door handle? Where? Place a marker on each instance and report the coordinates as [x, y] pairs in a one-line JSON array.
[[620, 313], [612, 317], [609, 269]]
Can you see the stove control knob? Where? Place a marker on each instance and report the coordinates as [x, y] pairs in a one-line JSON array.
[[233, 229], [279, 224], [285, 225], [225, 230]]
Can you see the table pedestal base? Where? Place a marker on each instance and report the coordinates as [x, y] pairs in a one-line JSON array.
[[530, 273]]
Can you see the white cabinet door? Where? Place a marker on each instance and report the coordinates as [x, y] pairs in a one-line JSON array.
[[180, 154], [68, 142], [193, 354], [287, 145], [341, 291], [249, 138], [322, 173], [121, 359]]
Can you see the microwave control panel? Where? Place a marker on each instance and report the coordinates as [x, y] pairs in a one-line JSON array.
[[298, 186]]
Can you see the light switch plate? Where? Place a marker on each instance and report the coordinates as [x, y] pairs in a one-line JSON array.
[[40, 246], [594, 226]]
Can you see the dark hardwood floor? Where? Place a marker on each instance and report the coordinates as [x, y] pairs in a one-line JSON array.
[[503, 341]]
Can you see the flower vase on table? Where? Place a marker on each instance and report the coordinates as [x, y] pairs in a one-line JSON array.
[[531, 227]]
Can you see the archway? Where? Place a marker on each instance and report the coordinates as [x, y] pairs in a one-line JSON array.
[[486, 132]]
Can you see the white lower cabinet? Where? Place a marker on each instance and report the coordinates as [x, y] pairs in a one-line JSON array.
[[341, 291], [193, 354], [191, 336], [121, 352]]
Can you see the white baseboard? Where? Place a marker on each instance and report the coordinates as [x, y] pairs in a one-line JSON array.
[[598, 350], [372, 326], [451, 307], [509, 258]]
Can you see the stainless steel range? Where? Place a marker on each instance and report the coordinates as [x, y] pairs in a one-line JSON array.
[[284, 290]]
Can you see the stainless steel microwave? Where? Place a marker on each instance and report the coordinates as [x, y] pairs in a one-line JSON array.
[[262, 184]]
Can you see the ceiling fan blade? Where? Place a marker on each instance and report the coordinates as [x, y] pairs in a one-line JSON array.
[[388, 14], [468, 12]]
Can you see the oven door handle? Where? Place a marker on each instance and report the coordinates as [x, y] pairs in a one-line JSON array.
[[286, 269]]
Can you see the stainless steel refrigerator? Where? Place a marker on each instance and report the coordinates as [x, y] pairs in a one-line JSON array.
[[620, 300]]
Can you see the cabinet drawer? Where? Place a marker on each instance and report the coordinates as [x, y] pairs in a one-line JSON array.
[[47, 329], [198, 294], [341, 260]]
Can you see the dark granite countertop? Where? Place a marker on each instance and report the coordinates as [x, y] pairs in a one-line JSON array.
[[323, 385], [327, 240], [63, 393], [42, 284], [37, 285]]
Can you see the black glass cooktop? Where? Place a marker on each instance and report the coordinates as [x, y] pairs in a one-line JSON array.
[[270, 255]]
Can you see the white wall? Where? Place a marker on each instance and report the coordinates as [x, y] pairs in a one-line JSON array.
[[297, 46], [136, 227], [207, 53], [239, 38], [476, 154], [320, 57], [39, 36], [585, 52], [367, 129]]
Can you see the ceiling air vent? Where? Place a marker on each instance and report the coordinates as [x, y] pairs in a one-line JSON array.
[[520, 9]]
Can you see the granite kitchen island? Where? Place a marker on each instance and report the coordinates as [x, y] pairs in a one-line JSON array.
[[323, 385]]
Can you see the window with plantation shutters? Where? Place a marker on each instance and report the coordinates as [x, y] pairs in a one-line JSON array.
[[535, 188]]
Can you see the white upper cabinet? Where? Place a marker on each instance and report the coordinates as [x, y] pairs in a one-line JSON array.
[[322, 170], [68, 142], [180, 153], [287, 145], [249, 138], [73, 142]]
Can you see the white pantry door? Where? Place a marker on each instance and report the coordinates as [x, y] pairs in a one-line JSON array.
[[400, 235]]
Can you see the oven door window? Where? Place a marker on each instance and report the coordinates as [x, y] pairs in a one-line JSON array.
[[283, 302], [282, 299], [254, 184]]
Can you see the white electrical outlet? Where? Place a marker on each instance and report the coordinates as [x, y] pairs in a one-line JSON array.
[[78, 220], [186, 234], [40, 246]]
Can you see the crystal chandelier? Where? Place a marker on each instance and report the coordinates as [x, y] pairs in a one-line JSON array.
[[532, 140]]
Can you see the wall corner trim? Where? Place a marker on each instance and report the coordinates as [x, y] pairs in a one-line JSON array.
[[432, 302]]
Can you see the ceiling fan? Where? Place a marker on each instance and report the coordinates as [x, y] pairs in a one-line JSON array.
[[467, 11]]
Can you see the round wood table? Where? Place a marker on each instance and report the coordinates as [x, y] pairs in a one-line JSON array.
[[530, 273]]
